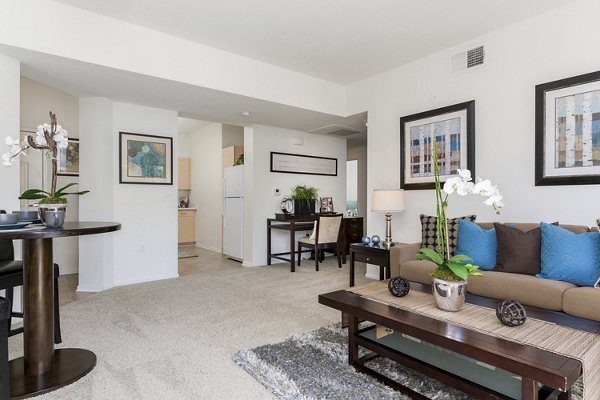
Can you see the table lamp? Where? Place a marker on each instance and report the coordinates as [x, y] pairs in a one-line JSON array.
[[388, 201]]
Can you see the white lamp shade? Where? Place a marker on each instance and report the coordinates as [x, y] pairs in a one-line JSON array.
[[388, 200]]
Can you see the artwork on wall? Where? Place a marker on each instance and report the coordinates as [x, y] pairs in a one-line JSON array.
[[326, 204], [454, 128], [145, 159], [303, 164], [567, 131], [68, 159]]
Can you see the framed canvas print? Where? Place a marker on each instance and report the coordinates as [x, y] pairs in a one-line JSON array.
[[303, 164], [68, 159], [567, 131], [145, 159], [454, 130]]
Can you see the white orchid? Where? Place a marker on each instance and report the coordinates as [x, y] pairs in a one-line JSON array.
[[465, 175], [484, 188], [462, 185], [7, 160]]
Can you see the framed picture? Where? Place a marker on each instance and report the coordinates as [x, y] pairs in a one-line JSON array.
[[68, 159], [454, 129], [567, 131], [326, 204], [145, 159], [303, 164]]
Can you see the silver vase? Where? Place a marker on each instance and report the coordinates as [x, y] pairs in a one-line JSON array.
[[53, 215], [449, 296]]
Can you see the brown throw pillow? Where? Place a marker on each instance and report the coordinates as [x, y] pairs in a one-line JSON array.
[[428, 231], [518, 251]]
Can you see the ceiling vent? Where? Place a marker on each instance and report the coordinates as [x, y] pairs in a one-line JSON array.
[[335, 130], [466, 59]]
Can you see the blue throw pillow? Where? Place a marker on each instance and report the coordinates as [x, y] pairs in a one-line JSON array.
[[570, 257], [479, 244]]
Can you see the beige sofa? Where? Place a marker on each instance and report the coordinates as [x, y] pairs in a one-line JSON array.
[[542, 293]]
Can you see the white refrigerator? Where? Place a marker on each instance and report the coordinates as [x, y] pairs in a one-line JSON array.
[[233, 212]]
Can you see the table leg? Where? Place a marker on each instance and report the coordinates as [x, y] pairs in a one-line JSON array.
[[351, 268], [268, 242], [292, 246], [352, 345], [529, 389], [381, 272]]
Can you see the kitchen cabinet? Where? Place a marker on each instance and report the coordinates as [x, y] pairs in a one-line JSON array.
[[185, 173], [231, 154], [187, 226]]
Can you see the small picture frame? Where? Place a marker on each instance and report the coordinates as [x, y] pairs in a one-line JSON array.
[[326, 204], [68, 159]]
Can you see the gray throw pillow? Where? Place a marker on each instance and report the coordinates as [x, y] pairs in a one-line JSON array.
[[429, 227]]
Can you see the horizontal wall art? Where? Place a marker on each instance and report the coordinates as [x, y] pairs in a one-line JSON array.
[[303, 164], [454, 129], [145, 159], [567, 131]]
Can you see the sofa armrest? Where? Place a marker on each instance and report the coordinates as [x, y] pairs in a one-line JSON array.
[[401, 253]]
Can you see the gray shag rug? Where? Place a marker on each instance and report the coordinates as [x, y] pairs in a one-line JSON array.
[[314, 365]]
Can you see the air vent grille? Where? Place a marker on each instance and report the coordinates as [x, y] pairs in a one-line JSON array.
[[475, 57]]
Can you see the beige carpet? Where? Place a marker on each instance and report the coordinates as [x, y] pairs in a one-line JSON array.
[[175, 339]]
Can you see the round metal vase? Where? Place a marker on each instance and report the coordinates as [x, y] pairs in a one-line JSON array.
[[53, 215], [449, 296]]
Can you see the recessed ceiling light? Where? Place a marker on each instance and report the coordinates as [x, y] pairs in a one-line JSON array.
[[245, 113]]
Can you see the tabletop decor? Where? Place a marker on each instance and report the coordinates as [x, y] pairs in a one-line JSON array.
[[511, 313], [567, 142], [453, 127], [50, 138], [304, 198], [399, 286], [450, 276]]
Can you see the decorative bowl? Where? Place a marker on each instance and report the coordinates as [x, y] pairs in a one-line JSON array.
[[8, 219], [26, 215]]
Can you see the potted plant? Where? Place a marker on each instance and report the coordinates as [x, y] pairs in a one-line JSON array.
[[452, 272], [48, 137], [304, 198]]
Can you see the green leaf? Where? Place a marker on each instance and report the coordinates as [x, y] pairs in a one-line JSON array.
[[460, 258], [62, 189], [34, 194], [459, 270], [431, 255]]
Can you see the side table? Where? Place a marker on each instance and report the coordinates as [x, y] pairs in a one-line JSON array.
[[377, 255]]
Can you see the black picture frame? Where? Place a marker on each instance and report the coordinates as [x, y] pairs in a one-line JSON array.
[[288, 163], [154, 146], [465, 113], [548, 98]]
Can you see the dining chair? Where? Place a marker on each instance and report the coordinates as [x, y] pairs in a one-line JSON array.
[[325, 236], [11, 276], [4, 377]]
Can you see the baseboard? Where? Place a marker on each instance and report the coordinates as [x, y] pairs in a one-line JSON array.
[[91, 289], [249, 264], [134, 282], [202, 246]]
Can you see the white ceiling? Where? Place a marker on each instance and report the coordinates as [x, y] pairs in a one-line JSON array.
[[337, 40]]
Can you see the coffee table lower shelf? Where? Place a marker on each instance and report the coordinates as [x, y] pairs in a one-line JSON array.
[[486, 367]]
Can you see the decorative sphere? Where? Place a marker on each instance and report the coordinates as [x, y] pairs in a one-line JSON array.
[[511, 313], [399, 286], [366, 240], [375, 239]]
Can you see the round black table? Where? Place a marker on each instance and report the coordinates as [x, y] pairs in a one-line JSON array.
[[43, 369]]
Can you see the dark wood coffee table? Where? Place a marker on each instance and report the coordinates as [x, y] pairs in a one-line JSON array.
[[544, 375]]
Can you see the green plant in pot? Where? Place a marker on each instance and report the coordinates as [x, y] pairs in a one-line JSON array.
[[304, 198], [49, 138], [452, 271]]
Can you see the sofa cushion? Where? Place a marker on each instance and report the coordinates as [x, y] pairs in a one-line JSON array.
[[477, 243], [570, 257], [417, 271], [525, 289], [577, 301], [518, 252], [429, 228]]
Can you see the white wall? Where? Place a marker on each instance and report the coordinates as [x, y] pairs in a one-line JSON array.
[[261, 204], [207, 185], [360, 154], [9, 115], [36, 101], [183, 145], [232, 135], [96, 39], [145, 249], [554, 45]]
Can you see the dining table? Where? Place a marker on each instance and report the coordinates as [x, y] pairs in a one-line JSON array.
[[42, 368]]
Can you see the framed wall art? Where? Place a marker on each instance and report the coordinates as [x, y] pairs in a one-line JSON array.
[[68, 159], [454, 129], [326, 204], [303, 164], [145, 159], [567, 131]]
